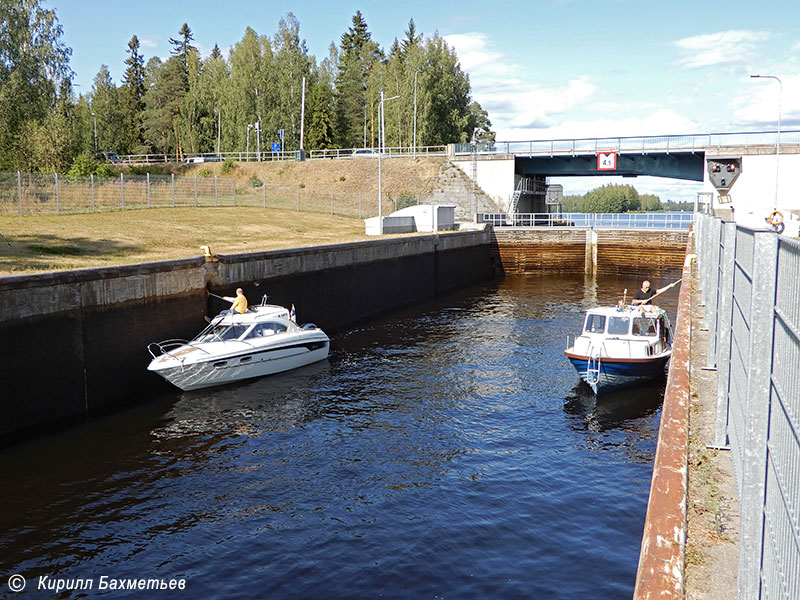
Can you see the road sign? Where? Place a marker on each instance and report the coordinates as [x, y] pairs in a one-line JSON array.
[[607, 161], [276, 147]]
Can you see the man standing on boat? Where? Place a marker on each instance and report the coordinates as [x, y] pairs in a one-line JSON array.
[[644, 295], [239, 302]]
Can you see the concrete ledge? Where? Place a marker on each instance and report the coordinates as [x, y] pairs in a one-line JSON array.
[[661, 560], [25, 296]]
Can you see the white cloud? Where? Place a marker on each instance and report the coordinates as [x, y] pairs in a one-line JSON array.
[[150, 42], [729, 48], [475, 55], [502, 88], [758, 105], [658, 122]]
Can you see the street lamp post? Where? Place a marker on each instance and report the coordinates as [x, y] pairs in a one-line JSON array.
[[247, 149], [778, 144], [94, 117], [415, 113], [380, 152]]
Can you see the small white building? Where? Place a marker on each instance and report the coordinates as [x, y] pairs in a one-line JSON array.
[[420, 218]]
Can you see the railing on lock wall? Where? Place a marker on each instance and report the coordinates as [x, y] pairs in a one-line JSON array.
[[649, 220], [750, 282]]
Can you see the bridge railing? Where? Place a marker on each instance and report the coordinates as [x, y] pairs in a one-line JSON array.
[[664, 143], [288, 155], [649, 220]]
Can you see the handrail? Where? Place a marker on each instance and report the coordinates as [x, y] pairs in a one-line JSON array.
[[638, 144], [280, 156], [650, 220], [166, 345]]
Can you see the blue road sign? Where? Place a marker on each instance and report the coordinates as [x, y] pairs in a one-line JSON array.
[[276, 147]]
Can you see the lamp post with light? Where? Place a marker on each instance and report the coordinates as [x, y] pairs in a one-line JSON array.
[[380, 152], [778, 145], [94, 117], [415, 113]]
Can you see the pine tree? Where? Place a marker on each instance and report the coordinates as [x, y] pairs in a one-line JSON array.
[[411, 40], [182, 47], [355, 112], [132, 99]]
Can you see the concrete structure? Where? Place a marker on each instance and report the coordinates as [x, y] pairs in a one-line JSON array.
[[589, 251], [500, 167], [75, 342]]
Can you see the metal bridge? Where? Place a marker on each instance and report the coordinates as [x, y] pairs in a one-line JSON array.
[[673, 156], [667, 144]]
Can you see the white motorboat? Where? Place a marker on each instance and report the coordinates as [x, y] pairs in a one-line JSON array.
[[262, 341], [621, 346]]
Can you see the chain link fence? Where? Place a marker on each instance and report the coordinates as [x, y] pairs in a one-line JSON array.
[[36, 194], [750, 281]]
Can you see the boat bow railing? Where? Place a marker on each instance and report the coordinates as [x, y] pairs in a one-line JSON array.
[[165, 346]]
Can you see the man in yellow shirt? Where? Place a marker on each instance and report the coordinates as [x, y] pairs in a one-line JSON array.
[[239, 302]]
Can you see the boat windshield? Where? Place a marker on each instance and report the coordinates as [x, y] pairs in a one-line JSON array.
[[220, 333], [595, 323], [618, 325], [644, 326]]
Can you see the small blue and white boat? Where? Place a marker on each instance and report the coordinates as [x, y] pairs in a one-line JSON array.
[[621, 346]]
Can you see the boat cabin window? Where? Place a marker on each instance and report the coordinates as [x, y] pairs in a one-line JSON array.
[[663, 330], [595, 323], [618, 325], [220, 333], [267, 329], [644, 326]]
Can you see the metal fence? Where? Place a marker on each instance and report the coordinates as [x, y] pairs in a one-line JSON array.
[[28, 194], [650, 220], [662, 143], [750, 281], [286, 155]]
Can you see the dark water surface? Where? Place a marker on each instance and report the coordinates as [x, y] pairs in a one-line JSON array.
[[447, 451]]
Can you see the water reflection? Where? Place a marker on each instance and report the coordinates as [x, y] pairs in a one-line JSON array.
[[623, 419], [613, 409], [445, 450]]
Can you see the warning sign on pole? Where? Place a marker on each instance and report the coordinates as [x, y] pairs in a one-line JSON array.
[[607, 161]]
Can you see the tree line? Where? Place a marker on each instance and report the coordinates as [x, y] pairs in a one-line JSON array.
[[187, 104], [613, 198]]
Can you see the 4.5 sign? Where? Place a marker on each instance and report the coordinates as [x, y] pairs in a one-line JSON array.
[[607, 161]]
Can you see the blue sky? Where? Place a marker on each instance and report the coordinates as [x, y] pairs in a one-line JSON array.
[[543, 69]]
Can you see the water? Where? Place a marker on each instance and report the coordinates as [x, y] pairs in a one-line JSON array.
[[445, 452]]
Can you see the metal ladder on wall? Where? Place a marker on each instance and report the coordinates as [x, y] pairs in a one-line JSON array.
[[525, 185], [512, 208]]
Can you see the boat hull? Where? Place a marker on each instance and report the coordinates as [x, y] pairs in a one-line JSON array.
[[614, 374], [237, 368]]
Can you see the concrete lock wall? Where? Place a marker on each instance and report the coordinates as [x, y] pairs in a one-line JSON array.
[[75, 343]]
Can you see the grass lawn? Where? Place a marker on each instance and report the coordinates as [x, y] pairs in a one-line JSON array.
[[32, 244]]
